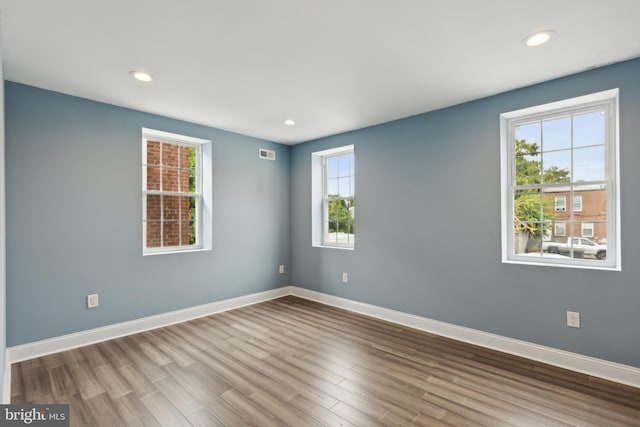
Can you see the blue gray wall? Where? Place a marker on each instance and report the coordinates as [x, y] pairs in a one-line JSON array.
[[3, 327], [428, 227], [74, 218]]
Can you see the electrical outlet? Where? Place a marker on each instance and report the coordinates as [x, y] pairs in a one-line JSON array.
[[92, 301], [573, 319], [281, 268], [345, 278]]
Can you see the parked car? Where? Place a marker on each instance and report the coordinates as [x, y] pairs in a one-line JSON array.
[[580, 245]]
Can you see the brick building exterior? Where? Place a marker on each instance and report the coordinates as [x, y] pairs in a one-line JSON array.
[[589, 207], [168, 216]]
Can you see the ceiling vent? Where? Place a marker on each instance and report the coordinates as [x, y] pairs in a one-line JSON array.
[[266, 154]]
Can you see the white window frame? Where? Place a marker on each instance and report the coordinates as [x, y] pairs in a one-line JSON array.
[[577, 198], [582, 228], [560, 226], [203, 191], [319, 197], [562, 206], [609, 101]]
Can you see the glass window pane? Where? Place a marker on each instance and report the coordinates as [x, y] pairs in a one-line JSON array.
[[171, 233], [344, 189], [171, 208], [556, 167], [556, 134], [170, 155], [528, 169], [153, 178], [344, 165], [529, 135], [193, 186], [153, 153], [588, 129], [332, 187], [352, 186], [153, 206], [589, 164], [169, 180], [332, 167], [153, 234]]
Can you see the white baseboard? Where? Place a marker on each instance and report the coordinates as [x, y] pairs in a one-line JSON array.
[[31, 350], [576, 362], [612, 371]]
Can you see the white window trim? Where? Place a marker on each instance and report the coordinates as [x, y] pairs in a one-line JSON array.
[[564, 229], [203, 191], [562, 208], [613, 261], [318, 192]]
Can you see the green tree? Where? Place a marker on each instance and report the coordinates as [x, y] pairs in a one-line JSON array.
[[341, 215], [532, 211]]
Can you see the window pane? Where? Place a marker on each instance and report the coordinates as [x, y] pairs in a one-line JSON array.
[[527, 206], [557, 166], [556, 134], [332, 187], [588, 129], [587, 229], [528, 169], [559, 229], [153, 234], [529, 134], [170, 233], [153, 178], [344, 187], [526, 237], [169, 155], [171, 208], [169, 180], [184, 180], [154, 210], [589, 164], [344, 165], [153, 153], [332, 167], [577, 203]]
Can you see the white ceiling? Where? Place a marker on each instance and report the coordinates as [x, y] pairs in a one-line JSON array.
[[332, 65]]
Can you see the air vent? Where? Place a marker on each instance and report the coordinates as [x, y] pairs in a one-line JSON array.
[[266, 154]]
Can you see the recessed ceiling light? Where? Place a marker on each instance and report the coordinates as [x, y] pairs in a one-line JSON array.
[[536, 39], [141, 75], [289, 122]]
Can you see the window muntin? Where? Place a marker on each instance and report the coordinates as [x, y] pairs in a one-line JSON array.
[[339, 199], [554, 153], [172, 196]]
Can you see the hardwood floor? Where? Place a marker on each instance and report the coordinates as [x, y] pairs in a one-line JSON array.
[[295, 362]]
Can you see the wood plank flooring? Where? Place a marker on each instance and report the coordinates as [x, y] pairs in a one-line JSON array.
[[295, 362]]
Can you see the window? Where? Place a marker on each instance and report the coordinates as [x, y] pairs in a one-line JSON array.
[[587, 229], [561, 203], [333, 198], [577, 204], [568, 147], [174, 193]]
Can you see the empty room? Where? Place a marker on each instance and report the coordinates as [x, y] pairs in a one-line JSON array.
[[329, 213]]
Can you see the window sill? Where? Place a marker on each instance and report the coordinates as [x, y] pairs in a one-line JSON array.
[[175, 251], [343, 248], [523, 261]]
